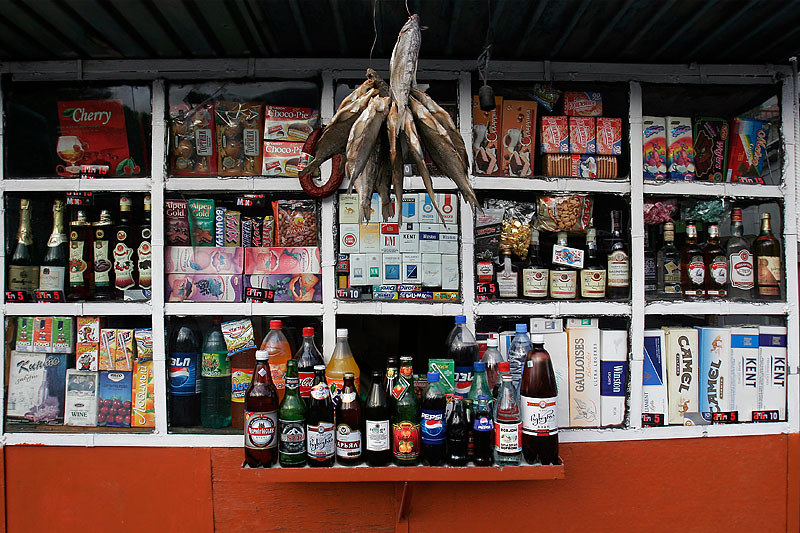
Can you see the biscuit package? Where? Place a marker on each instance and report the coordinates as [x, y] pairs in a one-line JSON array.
[[239, 133]]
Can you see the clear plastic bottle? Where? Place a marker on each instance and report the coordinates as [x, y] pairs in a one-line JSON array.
[[277, 346], [517, 352], [215, 405], [480, 383], [507, 424], [462, 348], [341, 361], [491, 358]]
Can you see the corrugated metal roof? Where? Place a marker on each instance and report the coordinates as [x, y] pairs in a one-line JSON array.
[[636, 31]]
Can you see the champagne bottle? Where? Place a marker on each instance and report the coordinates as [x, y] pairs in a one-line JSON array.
[[52, 273], [23, 273]]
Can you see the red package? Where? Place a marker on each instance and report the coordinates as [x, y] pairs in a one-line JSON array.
[[582, 135], [609, 136], [555, 135], [583, 104]]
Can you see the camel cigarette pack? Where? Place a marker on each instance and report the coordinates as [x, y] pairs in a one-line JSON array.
[[715, 370], [348, 208], [584, 376], [744, 360], [81, 398], [556, 345], [654, 384], [203, 260], [773, 369], [683, 361], [613, 376], [654, 147], [680, 148]]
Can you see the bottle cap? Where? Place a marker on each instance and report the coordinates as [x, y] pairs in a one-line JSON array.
[[275, 324], [291, 363], [522, 328], [537, 339], [461, 319], [341, 333], [349, 375], [433, 377], [377, 375], [483, 397], [316, 367], [262, 355], [492, 341], [504, 366], [479, 366], [308, 332]]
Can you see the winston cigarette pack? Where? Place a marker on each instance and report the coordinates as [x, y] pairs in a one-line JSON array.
[[556, 346], [81, 398], [682, 368], [773, 369], [584, 376], [613, 376], [654, 384], [744, 359], [715, 370]]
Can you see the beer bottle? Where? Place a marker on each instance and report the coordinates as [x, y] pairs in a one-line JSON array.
[[432, 424], [538, 405], [377, 434], [320, 439], [405, 417], [23, 273], [307, 358], [348, 424], [292, 421], [103, 265], [80, 247], [391, 377], [483, 431], [52, 273], [261, 416], [242, 364], [457, 434]]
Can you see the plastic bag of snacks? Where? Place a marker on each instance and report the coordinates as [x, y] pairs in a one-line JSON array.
[[516, 231], [658, 212], [706, 211], [488, 228], [193, 149], [571, 213], [239, 133], [545, 95], [295, 222]]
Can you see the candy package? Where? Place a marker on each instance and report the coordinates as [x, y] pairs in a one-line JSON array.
[[564, 213], [658, 212], [296, 223], [488, 227], [515, 229], [239, 134]]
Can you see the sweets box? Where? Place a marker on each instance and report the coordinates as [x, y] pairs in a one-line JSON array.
[[36, 386], [519, 137], [203, 260], [747, 150], [283, 123], [204, 288], [288, 287], [283, 260], [486, 128], [114, 390]]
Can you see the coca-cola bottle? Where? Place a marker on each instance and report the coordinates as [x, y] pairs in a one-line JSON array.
[[307, 357], [261, 417], [319, 422], [538, 405], [458, 431]]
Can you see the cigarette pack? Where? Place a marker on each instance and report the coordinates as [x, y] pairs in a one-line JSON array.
[[654, 384], [349, 235], [201, 221], [390, 242], [410, 208], [348, 208], [715, 370], [447, 370], [24, 340], [233, 228], [219, 226], [582, 135], [556, 346], [144, 343], [143, 408], [393, 212], [486, 128], [108, 349], [654, 147], [429, 242], [682, 349], [124, 355], [555, 135], [281, 260], [374, 269], [282, 123], [369, 238], [448, 204], [80, 402], [43, 334], [358, 270], [773, 369], [711, 148], [114, 390], [450, 277], [613, 376], [204, 288], [427, 213], [375, 211], [281, 158], [744, 367], [176, 220], [583, 104], [448, 243], [680, 148], [609, 136], [412, 268], [582, 323], [584, 377], [519, 138], [203, 260], [546, 325], [36, 386], [432, 271], [392, 268], [63, 340], [748, 150]]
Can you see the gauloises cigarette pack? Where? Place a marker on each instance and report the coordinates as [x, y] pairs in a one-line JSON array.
[[293, 124], [748, 150], [744, 357], [176, 214], [654, 147], [682, 372], [613, 376], [711, 148], [584, 377], [519, 137], [281, 158], [486, 128], [583, 104], [773, 369], [715, 370], [680, 148], [582, 135], [609, 136], [654, 382], [204, 288], [554, 135], [203, 260]]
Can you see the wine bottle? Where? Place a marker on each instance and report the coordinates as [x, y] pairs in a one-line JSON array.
[[767, 250], [103, 266], [124, 249], [23, 273], [144, 250], [79, 258]]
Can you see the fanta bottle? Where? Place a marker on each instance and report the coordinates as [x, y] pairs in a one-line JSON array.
[[277, 346], [342, 361]]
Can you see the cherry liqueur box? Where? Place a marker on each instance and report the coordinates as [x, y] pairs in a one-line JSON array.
[[583, 350], [683, 361], [715, 370]]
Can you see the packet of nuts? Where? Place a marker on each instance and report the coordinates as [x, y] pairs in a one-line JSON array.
[[193, 148], [564, 213], [295, 222], [239, 132]]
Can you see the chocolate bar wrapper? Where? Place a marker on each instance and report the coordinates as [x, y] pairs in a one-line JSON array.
[[281, 158], [204, 288], [268, 231], [257, 232], [554, 135], [680, 149], [748, 150], [276, 260], [247, 232], [282, 123], [239, 134], [219, 226], [519, 137], [177, 222], [654, 147], [711, 148], [233, 228], [289, 287], [583, 104], [486, 128], [201, 221]]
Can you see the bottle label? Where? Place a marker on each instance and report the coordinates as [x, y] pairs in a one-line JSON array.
[[348, 442], [77, 266], [672, 277], [534, 282], [618, 271], [400, 388], [51, 278], [102, 265], [741, 270], [278, 373], [463, 380], [320, 440], [405, 440], [56, 239], [260, 429], [123, 266], [143, 263], [432, 426], [507, 285], [650, 273], [377, 435], [292, 383], [293, 437], [215, 365], [306, 380], [240, 381], [563, 283], [483, 423], [23, 278], [718, 272], [697, 271], [347, 397], [320, 391], [593, 283], [506, 437], [769, 275], [183, 374], [539, 416]]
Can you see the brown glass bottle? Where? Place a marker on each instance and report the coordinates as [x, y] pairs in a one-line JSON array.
[[124, 251], [767, 251], [618, 280], [80, 252], [102, 261], [242, 364], [693, 265], [348, 424], [261, 417], [144, 250], [716, 265], [320, 429], [538, 392]]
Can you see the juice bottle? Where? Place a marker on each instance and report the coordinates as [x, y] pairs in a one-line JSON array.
[[277, 346], [341, 361]]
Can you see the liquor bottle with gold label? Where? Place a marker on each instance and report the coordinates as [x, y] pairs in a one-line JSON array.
[[740, 260], [507, 275], [144, 250], [124, 252], [716, 264], [102, 262], [619, 276], [535, 273], [593, 274], [53, 272], [693, 265], [767, 251], [669, 265], [23, 272], [80, 250]]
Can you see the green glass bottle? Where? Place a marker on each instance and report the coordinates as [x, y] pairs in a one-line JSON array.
[[405, 417], [292, 420]]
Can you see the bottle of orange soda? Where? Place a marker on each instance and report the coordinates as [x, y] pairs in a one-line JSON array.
[[276, 344], [341, 361]]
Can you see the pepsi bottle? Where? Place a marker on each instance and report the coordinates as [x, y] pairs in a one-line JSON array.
[[432, 421], [184, 384]]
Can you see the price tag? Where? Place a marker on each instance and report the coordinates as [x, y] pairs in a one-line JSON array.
[[49, 296], [80, 198], [250, 200], [485, 291], [22, 296], [348, 294], [725, 417], [255, 294], [766, 416], [89, 172], [652, 420]]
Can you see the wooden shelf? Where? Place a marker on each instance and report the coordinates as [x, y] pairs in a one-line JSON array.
[[77, 184], [709, 188], [232, 183], [541, 183]]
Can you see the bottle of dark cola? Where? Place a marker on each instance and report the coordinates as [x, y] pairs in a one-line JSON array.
[[319, 422], [261, 417], [538, 405], [307, 357], [432, 422], [377, 435], [348, 424], [457, 434]]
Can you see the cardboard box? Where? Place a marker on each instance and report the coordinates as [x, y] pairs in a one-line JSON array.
[[409, 238], [654, 378], [294, 124], [203, 260], [288, 287], [680, 148], [349, 239], [609, 136], [773, 369], [450, 277], [36, 383], [144, 343], [555, 135], [201, 221], [715, 370], [176, 222], [24, 334], [711, 148], [108, 349], [584, 376], [748, 150], [682, 363], [204, 288], [654, 147], [582, 135], [546, 325], [556, 346], [412, 271], [348, 208], [583, 104], [115, 393], [281, 260], [86, 357], [374, 269], [744, 386], [124, 355], [63, 340], [519, 138], [486, 128], [143, 410], [43, 334], [448, 243], [80, 398], [369, 238], [613, 376], [392, 268]]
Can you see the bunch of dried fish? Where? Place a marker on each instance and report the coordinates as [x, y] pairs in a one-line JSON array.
[[379, 124]]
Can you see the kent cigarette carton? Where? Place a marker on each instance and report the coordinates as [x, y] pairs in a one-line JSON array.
[[683, 361], [773, 369], [613, 376], [556, 345], [715, 370], [584, 377], [744, 361], [654, 384]]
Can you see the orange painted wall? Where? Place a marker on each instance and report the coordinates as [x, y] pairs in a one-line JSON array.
[[632, 484]]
